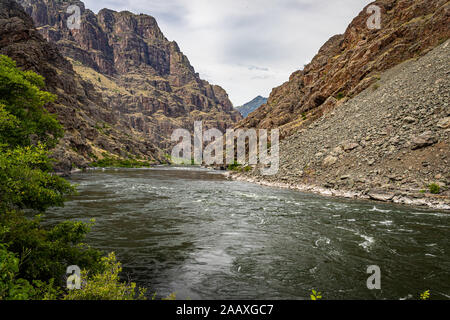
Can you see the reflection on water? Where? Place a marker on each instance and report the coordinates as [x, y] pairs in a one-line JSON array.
[[192, 232]]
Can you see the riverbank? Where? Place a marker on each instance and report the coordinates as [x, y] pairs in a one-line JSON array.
[[398, 197]]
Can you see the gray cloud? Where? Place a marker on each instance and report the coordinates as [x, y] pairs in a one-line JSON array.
[[246, 46]]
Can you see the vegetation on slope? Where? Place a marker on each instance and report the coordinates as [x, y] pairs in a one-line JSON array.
[[112, 162], [34, 258]]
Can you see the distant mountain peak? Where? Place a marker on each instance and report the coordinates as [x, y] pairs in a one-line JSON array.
[[251, 106]]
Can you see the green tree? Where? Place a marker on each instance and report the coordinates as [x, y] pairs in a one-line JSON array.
[[21, 104], [34, 258], [26, 181], [45, 253], [27, 131]]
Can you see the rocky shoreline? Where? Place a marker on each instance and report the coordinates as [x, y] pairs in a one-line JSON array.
[[398, 197]]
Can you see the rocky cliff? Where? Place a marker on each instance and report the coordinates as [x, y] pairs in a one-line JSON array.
[[122, 86], [91, 126], [369, 117], [349, 63], [390, 143], [144, 78]]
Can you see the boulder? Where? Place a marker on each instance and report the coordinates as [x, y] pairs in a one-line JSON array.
[[444, 123], [349, 146], [329, 161], [423, 140]]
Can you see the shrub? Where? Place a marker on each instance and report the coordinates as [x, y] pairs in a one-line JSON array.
[[106, 285], [21, 106], [34, 258], [316, 295], [234, 167], [340, 96], [172, 296], [434, 188], [45, 253], [26, 181], [425, 295], [12, 288]]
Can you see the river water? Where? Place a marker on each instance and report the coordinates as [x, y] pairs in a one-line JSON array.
[[192, 232]]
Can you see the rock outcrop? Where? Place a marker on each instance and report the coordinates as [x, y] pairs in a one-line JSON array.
[[144, 78], [91, 126], [369, 116], [391, 142], [349, 63], [122, 86]]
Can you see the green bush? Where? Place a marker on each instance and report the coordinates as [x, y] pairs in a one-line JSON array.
[[234, 167], [11, 287], [14, 288], [340, 96], [45, 253], [27, 182], [34, 258], [21, 107], [434, 188], [106, 285]]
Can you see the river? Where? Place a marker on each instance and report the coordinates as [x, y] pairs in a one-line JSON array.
[[192, 232]]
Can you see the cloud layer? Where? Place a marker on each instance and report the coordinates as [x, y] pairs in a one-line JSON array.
[[246, 46]]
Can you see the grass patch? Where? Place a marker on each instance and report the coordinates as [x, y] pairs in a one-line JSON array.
[[97, 79], [238, 167], [234, 167], [108, 162], [102, 127]]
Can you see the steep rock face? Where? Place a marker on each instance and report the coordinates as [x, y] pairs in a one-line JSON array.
[[251, 106], [388, 143], [146, 81], [349, 63], [79, 106]]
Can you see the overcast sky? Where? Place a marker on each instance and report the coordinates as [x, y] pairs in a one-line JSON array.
[[246, 46]]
